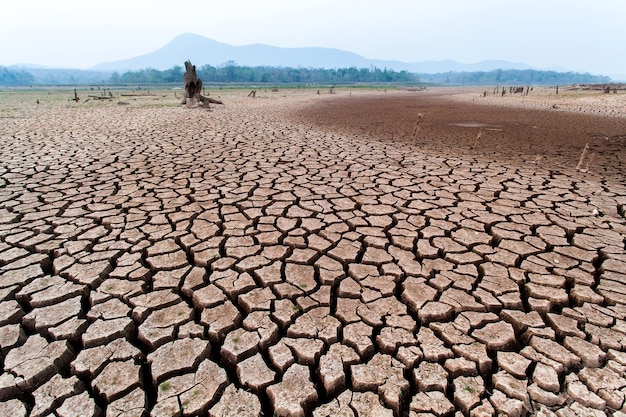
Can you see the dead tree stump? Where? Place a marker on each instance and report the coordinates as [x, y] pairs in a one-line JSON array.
[[193, 87]]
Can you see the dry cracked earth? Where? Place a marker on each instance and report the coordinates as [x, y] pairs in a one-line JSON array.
[[244, 262]]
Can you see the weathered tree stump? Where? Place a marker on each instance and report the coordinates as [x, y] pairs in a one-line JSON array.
[[193, 87]]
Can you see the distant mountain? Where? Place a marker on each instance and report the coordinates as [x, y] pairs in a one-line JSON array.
[[14, 76], [201, 51]]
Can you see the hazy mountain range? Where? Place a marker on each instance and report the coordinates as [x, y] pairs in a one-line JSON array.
[[201, 51]]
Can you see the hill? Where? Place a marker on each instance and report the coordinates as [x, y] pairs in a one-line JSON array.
[[221, 62], [205, 51]]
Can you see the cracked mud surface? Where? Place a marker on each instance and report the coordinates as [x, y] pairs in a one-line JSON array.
[[252, 261]]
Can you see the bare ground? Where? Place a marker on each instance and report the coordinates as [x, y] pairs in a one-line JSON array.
[[546, 130], [294, 255]]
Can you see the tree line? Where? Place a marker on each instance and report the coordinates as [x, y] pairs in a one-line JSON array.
[[232, 73], [516, 77], [279, 75], [237, 74]]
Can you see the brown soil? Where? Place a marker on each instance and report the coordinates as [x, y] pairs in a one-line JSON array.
[[553, 139], [161, 261]]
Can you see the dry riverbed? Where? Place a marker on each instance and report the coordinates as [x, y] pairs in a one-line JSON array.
[[316, 255]]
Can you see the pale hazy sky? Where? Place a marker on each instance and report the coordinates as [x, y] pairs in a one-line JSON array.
[[578, 35]]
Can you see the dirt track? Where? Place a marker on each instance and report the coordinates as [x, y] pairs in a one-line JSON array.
[[257, 259]]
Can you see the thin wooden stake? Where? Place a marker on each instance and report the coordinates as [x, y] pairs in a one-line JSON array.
[[416, 129], [582, 156]]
